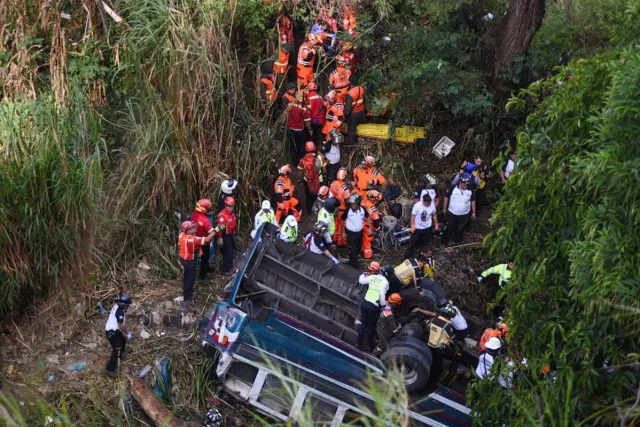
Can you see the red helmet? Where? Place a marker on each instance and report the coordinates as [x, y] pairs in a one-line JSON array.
[[342, 174], [188, 225], [310, 147], [370, 160], [394, 299], [285, 22], [374, 267], [330, 97], [285, 170], [323, 192], [312, 86], [229, 201], [203, 205]]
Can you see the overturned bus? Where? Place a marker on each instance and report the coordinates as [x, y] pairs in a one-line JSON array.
[[284, 341]]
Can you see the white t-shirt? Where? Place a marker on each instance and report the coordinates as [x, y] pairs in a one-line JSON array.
[[509, 167], [460, 200], [333, 155], [485, 362], [354, 219], [115, 314], [423, 215], [459, 323]]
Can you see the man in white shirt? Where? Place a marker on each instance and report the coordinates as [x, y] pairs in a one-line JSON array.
[[423, 217], [459, 205], [508, 167], [488, 358], [117, 333], [353, 220]]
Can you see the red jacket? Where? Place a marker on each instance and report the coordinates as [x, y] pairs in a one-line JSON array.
[[204, 225], [227, 222], [298, 115], [316, 108]]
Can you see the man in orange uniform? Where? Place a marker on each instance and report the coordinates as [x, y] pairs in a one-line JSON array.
[[348, 19], [331, 145], [281, 65], [367, 175], [316, 109], [306, 60], [341, 191], [268, 92], [284, 196], [334, 116], [204, 229], [370, 204], [289, 96], [354, 108], [189, 243], [339, 79]]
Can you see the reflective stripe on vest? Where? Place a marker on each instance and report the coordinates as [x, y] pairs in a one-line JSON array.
[[376, 283], [290, 232], [438, 336]]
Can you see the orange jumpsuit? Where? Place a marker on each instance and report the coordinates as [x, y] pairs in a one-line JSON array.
[[284, 197], [367, 236], [348, 19], [281, 66], [333, 119], [306, 61], [339, 80], [340, 191], [270, 94], [365, 175]]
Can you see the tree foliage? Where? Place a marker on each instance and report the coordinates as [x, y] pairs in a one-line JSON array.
[[570, 217]]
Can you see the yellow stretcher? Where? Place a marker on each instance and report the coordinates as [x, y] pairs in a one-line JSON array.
[[402, 134]]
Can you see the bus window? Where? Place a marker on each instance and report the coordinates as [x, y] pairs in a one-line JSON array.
[[356, 419], [318, 411], [240, 378], [277, 394]]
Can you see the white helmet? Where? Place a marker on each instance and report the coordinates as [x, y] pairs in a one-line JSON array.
[[493, 343], [228, 185], [266, 204], [291, 221]]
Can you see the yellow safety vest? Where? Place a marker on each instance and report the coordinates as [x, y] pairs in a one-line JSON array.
[[291, 232], [438, 336], [325, 216], [406, 272], [430, 270], [376, 283]]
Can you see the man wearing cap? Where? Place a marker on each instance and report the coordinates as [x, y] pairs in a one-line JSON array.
[[354, 108], [265, 215]]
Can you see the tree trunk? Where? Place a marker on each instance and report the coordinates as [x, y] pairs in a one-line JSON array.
[[514, 33]]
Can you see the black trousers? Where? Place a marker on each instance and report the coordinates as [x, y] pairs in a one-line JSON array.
[[455, 226], [316, 133], [118, 343], [354, 242], [204, 261], [332, 171], [227, 252], [310, 198], [369, 318], [419, 239], [298, 139], [189, 278], [395, 284], [354, 120]]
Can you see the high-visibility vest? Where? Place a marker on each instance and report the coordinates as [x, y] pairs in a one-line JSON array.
[[333, 118], [188, 245], [501, 270], [376, 283], [303, 52], [290, 232], [269, 89], [263, 217], [324, 215], [438, 335], [406, 272], [357, 99], [430, 269], [282, 64]]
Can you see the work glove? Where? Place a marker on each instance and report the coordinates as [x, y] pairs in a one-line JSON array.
[[479, 279], [335, 260], [129, 336]]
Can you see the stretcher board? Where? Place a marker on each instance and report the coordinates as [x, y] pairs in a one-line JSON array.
[[403, 134]]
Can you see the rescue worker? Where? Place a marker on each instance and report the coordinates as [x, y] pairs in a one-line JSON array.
[[508, 167], [314, 167], [409, 273], [349, 23], [372, 268], [285, 31], [443, 341], [284, 195], [289, 230], [227, 188], [203, 229], [504, 272], [374, 298], [387, 325], [264, 216], [323, 194], [299, 121], [289, 96], [334, 116], [268, 90], [479, 171], [429, 183], [326, 215], [341, 191], [488, 358], [500, 331], [116, 332], [316, 241], [353, 220], [339, 79], [366, 175], [307, 60], [459, 323], [370, 204], [189, 243], [226, 227], [354, 108], [430, 264], [316, 110], [423, 219], [459, 205], [281, 64], [331, 134]]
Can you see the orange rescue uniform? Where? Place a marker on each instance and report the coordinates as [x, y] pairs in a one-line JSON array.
[[340, 191], [333, 120], [284, 197], [364, 176], [367, 236], [188, 245], [306, 61], [270, 93], [281, 66], [487, 335], [339, 80]]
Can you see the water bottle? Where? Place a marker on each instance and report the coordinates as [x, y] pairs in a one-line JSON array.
[[77, 367]]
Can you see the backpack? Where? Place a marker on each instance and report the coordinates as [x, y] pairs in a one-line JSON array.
[[311, 173]]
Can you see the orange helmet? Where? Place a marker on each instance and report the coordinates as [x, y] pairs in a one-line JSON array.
[[312, 86], [374, 196], [285, 170], [330, 97], [504, 328], [374, 267], [188, 225], [229, 201], [394, 299], [323, 192], [310, 147], [285, 22], [369, 160], [342, 174], [203, 205]]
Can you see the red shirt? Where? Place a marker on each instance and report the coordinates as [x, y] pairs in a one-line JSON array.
[[316, 107], [188, 245], [298, 115], [204, 225], [227, 221]]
